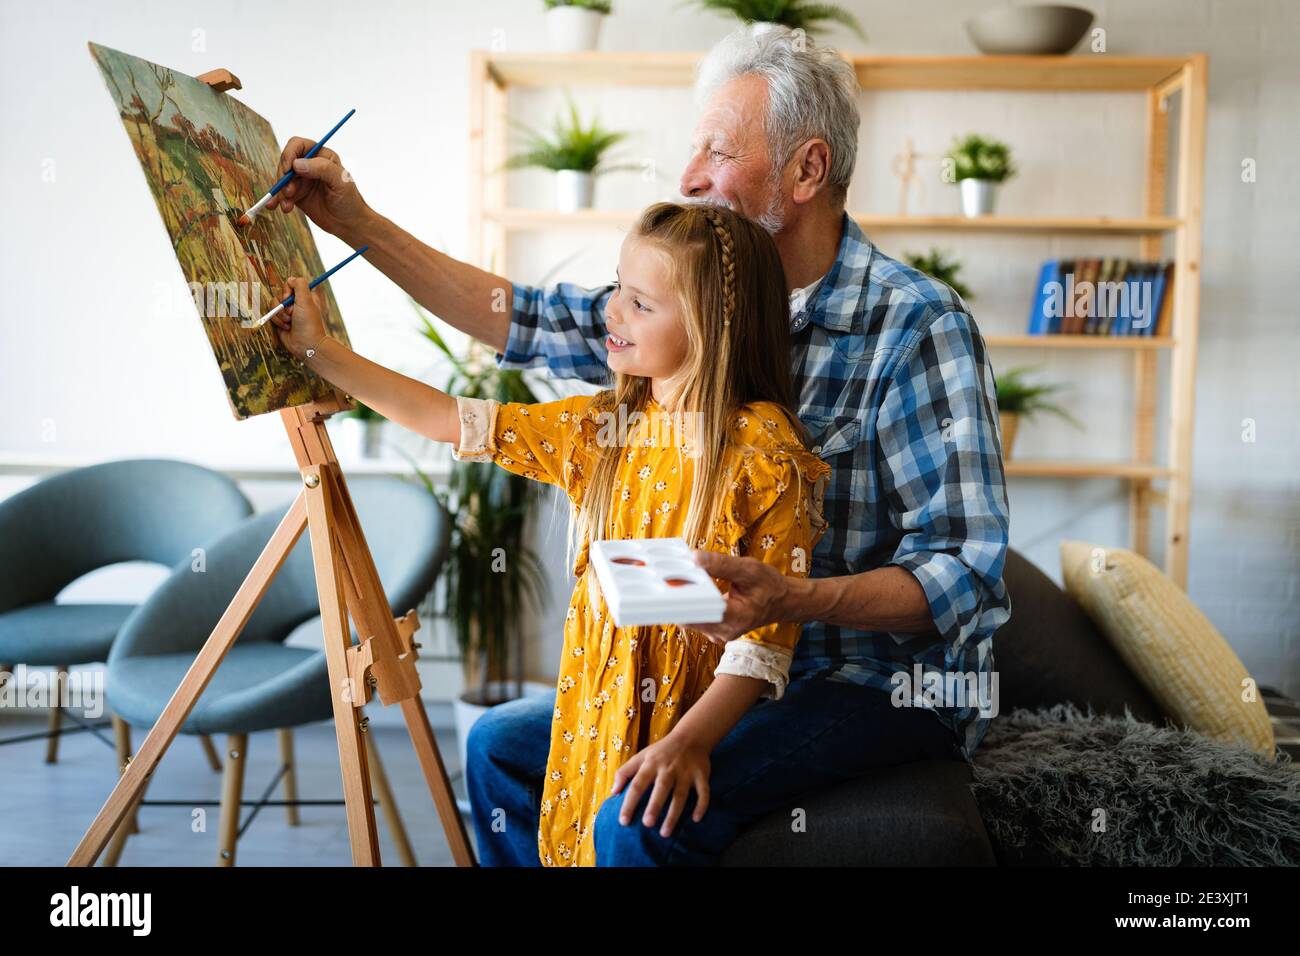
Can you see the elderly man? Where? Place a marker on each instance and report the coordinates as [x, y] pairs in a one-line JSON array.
[[895, 660]]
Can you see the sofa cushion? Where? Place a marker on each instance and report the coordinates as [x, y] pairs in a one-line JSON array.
[[1168, 643], [916, 814], [1051, 652]]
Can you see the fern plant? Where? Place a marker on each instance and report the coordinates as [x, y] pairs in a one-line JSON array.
[[937, 265], [570, 145], [492, 578], [1016, 396], [795, 14]]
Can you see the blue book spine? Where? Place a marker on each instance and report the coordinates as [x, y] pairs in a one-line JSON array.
[[1039, 320], [1146, 288], [1124, 321]]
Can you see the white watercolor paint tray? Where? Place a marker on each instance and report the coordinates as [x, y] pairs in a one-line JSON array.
[[655, 581]]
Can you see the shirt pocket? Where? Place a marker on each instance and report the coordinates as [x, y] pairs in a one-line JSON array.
[[829, 436], [836, 440]]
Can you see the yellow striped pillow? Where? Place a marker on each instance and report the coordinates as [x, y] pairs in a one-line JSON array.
[[1168, 643]]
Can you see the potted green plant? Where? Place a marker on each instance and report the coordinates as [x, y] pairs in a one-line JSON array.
[[574, 152], [574, 25], [358, 432], [978, 165], [937, 265], [492, 579], [1017, 397], [763, 15]]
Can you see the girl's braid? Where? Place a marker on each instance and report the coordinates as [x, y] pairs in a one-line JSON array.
[[721, 230]]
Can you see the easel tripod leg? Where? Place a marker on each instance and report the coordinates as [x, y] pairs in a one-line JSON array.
[[338, 639], [435, 775], [392, 815], [358, 559], [122, 737], [131, 784]]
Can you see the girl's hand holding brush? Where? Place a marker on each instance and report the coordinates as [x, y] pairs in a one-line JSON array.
[[301, 325], [406, 401]]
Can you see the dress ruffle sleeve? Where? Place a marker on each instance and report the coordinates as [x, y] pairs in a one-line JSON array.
[[538, 440]]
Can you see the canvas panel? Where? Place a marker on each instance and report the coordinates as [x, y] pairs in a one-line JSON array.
[[207, 157]]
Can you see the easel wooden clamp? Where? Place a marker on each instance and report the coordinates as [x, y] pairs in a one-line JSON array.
[[347, 582]]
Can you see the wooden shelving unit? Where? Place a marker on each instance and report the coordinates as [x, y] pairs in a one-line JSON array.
[[523, 220], [492, 220]]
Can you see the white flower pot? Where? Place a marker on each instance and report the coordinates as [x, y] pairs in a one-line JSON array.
[[574, 190], [977, 197], [467, 713], [759, 27], [573, 29]]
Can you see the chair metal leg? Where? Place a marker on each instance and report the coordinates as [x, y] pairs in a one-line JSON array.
[[122, 736], [384, 794], [232, 789], [56, 717], [211, 751], [290, 774]]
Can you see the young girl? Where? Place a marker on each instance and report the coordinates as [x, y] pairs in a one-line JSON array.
[[699, 345]]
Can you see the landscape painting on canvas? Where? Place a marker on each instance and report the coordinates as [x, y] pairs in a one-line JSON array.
[[207, 157]]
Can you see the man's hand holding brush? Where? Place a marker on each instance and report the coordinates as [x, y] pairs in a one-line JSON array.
[[323, 189]]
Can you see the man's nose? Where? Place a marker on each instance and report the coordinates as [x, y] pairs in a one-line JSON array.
[[695, 179]]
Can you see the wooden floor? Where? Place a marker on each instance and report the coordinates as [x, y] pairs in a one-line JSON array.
[[45, 808]]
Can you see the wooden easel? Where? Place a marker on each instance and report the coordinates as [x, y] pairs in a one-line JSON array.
[[347, 582]]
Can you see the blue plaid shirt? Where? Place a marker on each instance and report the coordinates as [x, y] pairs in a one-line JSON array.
[[896, 390]]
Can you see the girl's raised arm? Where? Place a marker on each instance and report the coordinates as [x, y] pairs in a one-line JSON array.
[[411, 404]]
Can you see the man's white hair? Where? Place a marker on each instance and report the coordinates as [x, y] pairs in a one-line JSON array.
[[812, 94]]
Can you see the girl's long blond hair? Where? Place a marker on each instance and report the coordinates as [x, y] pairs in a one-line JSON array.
[[728, 275]]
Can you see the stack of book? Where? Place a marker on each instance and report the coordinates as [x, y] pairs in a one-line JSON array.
[[1102, 297]]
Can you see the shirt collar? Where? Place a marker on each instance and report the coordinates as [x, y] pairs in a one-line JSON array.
[[833, 303]]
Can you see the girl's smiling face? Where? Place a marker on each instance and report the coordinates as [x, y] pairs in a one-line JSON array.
[[647, 330]]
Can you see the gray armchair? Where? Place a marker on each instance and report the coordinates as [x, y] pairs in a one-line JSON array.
[[76, 522]]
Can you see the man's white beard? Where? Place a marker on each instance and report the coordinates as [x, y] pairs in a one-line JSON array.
[[772, 220]]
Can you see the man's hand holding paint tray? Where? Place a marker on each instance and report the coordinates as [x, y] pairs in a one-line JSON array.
[[648, 581]]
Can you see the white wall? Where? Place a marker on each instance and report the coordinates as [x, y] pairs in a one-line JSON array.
[[92, 367]]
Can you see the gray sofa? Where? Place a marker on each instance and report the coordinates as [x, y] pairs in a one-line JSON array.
[[923, 814]]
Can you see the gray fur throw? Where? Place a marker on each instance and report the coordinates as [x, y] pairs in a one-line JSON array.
[[1061, 787]]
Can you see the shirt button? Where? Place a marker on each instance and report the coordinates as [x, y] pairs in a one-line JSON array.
[[816, 449]]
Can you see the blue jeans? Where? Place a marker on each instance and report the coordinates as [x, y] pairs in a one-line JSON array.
[[820, 733]]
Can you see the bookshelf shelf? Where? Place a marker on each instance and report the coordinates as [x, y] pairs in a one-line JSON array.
[[523, 220], [1174, 91], [1030, 468], [1087, 73], [1090, 342]]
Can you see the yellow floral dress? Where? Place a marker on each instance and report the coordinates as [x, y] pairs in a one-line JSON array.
[[622, 688]]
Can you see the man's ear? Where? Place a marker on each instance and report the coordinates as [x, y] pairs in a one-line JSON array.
[[812, 168]]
